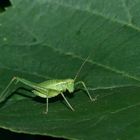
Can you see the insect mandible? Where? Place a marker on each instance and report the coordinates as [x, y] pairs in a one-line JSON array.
[[49, 88]]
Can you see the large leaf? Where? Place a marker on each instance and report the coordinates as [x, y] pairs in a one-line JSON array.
[[42, 40]]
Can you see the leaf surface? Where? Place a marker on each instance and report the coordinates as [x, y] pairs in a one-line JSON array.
[[43, 40]]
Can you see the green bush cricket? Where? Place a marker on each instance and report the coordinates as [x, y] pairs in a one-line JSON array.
[[49, 88]]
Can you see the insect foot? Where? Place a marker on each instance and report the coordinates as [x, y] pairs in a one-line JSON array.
[[45, 112], [95, 98]]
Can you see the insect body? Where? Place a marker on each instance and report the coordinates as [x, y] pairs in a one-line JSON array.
[[48, 89]]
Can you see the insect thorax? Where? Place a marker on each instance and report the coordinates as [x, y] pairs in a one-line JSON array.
[[70, 85]]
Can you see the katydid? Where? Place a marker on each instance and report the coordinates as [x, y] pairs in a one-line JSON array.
[[49, 88]]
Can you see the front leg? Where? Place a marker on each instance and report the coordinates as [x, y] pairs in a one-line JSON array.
[[83, 84]]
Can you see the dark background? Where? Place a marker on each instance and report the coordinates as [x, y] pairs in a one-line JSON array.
[[6, 135]]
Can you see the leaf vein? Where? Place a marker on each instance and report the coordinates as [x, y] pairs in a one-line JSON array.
[[99, 14]]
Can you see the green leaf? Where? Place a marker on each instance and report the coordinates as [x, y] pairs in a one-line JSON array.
[[49, 39]]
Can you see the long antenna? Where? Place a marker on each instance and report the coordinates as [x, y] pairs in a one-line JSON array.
[[80, 68]]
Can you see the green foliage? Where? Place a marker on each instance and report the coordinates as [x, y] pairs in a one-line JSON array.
[[48, 39]]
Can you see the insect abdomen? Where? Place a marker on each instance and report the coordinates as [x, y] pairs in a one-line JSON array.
[[49, 94]]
